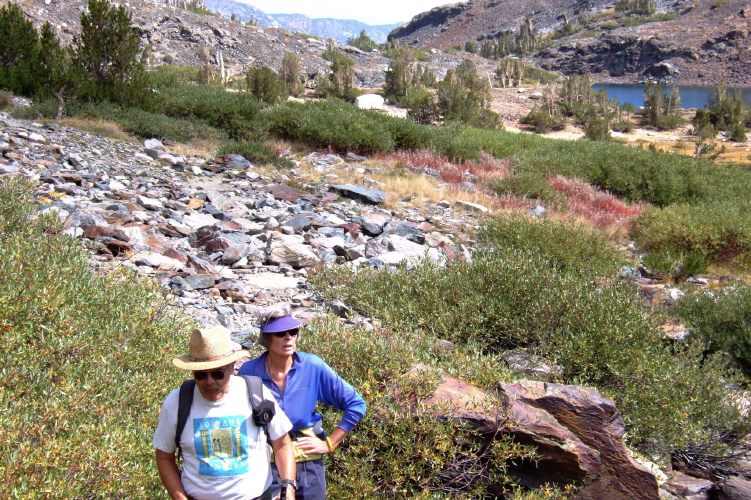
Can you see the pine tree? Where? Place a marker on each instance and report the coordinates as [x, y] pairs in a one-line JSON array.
[[264, 84], [289, 72], [56, 62], [399, 74], [19, 52], [107, 51]]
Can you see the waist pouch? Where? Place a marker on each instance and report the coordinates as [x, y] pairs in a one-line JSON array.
[[300, 455]]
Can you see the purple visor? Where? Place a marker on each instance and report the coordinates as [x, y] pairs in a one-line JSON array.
[[280, 324]]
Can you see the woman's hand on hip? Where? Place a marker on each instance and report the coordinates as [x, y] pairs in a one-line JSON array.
[[312, 445]]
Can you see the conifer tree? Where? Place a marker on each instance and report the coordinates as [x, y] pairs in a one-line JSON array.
[[264, 84], [60, 75], [107, 51], [399, 74], [19, 52], [289, 72]]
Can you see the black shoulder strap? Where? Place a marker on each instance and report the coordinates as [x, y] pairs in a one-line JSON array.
[[183, 410], [255, 389], [263, 410]]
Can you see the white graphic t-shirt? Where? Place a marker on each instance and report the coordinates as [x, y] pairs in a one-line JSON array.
[[224, 453]]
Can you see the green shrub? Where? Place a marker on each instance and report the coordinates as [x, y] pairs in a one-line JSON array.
[[721, 319], [169, 75], [542, 122], [623, 127], [331, 124], [567, 246], [526, 185], [677, 266], [5, 100], [264, 85], [670, 122], [146, 125], [85, 365], [397, 447], [421, 107], [597, 130], [237, 113], [720, 232], [254, 152], [535, 285]]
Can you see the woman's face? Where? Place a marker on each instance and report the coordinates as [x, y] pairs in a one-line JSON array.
[[285, 344]]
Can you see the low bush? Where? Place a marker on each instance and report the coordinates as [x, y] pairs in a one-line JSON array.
[[721, 319], [399, 448], [145, 124], [169, 75], [542, 122], [526, 185], [719, 231], [332, 124], [624, 127], [534, 285], [85, 363], [254, 152], [5, 100], [629, 173], [237, 113]]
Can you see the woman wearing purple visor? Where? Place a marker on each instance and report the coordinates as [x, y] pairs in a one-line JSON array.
[[298, 380]]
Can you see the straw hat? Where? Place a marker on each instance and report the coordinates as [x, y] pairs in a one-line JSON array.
[[210, 348]]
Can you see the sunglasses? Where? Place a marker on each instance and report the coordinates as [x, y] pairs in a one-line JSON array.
[[283, 334], [215, 374]]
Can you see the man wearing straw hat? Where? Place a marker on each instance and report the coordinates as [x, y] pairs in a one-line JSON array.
[[224, 452]]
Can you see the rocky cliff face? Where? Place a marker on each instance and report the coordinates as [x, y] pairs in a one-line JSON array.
[[706, 44]]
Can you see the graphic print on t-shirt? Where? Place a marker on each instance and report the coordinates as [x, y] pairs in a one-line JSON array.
[[221, 445]]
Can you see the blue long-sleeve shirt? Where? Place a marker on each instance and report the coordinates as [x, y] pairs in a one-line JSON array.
[[310, 380]]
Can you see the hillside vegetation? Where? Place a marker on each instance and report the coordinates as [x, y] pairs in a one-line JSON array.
[[86, 355]]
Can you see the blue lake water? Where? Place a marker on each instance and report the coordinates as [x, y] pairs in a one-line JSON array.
[[691, 97]]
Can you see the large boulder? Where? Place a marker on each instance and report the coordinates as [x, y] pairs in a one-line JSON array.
[[369, 101], [577, 432]]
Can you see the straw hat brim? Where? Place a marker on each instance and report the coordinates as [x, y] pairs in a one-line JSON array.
[[184, 362]]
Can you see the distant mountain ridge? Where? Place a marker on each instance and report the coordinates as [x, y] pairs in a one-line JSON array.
[[338, 29]]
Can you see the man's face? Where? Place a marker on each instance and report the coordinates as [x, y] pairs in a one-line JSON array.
[[213, 384]]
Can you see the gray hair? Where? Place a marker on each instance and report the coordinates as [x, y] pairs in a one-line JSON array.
[[272, 312]]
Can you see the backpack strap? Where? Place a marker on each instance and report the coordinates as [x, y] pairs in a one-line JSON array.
[[183, 410], [255, 389], [263, 409]]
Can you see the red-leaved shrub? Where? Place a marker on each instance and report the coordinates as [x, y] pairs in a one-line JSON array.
[[599, 207]]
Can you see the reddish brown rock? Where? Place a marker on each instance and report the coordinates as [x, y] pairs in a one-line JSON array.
[[577, 432]]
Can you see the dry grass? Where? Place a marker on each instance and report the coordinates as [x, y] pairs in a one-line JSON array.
[[418, 160], [204, 148], [404, 188], [101, 127]]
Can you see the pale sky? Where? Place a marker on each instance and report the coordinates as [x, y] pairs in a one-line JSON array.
[[373, 13]]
